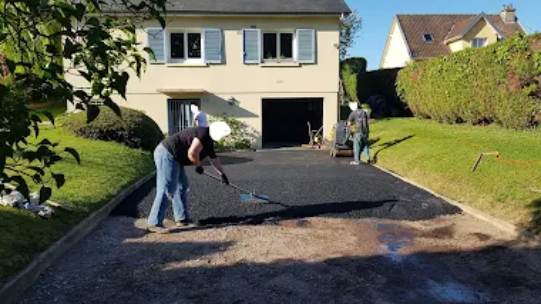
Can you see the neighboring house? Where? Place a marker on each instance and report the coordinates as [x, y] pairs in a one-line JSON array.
[[272, 64], [420, 37]]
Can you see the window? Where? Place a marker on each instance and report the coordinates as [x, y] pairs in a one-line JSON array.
[[428, 38], [479, 42], [278, 46], [184, 46], [180, 115]]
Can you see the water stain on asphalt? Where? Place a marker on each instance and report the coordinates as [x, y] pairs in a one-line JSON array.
[[392, 239], [453, 292], [446, 232]]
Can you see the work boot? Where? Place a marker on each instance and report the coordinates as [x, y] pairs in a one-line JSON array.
[[157, 229], [185, 224]]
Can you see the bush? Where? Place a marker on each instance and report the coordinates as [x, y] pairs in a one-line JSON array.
[[134, 129], [242, 136], [499, 84]]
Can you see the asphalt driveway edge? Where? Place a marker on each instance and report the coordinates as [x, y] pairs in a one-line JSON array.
[[505, 226], [14, 288]]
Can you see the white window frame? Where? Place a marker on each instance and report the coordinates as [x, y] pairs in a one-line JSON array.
[[278, 33], [475, 42], [186, 60]]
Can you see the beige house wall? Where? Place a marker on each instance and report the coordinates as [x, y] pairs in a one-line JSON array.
[[457, 46], [247, 83], [397, 54], [481, 30]]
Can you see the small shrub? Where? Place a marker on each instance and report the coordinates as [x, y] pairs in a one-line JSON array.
[[134, 129], [242, 136]]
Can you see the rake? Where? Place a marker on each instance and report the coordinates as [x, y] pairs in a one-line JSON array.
[[249, 196]]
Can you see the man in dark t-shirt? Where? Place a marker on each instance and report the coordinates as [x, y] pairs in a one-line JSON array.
[[184, 148]]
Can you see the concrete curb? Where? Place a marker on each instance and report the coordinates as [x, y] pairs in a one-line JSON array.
[[14, 288], [507, 227]]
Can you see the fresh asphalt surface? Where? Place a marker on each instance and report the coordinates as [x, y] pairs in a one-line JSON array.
[[299, 184]]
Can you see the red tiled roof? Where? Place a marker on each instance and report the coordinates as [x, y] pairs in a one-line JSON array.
[[442, 27]]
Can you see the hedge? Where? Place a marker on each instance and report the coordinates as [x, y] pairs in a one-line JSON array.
[[500, 83], [133, 129]]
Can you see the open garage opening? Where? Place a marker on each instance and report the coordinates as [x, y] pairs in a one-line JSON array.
[[285, 121]]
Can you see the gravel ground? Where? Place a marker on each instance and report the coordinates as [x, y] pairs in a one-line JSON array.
[[299, 184], [349, 235], [452, 259]]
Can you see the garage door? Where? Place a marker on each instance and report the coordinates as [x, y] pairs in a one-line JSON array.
[[285, 121]]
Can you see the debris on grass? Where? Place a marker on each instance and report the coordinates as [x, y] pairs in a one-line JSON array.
[[15, 199]]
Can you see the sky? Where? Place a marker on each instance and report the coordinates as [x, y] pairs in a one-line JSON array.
[[377, 16]]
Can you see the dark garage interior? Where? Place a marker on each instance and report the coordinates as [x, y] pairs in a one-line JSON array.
[[285, 121]]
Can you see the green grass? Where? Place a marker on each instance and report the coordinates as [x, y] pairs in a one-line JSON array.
[[106, 169], [440, 157], [56, 110]]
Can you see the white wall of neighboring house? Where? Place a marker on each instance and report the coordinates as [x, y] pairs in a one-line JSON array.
[[397, 51]]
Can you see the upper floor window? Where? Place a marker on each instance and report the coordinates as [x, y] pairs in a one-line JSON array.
[[186, 46], [278, 46], [479, 42]]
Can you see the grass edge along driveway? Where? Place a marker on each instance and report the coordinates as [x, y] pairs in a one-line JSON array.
[[106, 169], [441, 157]]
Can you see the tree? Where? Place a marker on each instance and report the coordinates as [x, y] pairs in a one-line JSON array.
[[350, 26], [36, 36]]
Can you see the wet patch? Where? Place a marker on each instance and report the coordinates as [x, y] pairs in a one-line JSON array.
[[453, 292], [393, 238], [446, 232]]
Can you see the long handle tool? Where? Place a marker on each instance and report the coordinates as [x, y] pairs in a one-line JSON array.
[[250, 197]]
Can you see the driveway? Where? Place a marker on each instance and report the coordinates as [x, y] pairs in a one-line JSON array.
[[334, 234]]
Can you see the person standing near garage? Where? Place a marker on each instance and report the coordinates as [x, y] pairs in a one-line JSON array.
[[184, 148], [359, 117]]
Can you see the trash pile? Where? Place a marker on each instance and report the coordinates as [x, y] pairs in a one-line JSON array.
[[15, 199]]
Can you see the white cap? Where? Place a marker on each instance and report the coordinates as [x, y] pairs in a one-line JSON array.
[[353, 106], [194, 109], [219, 130]]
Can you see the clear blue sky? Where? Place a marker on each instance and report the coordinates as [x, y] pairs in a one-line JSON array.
[[377, 17]]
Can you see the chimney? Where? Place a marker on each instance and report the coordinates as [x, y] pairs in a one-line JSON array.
[[508, 14]]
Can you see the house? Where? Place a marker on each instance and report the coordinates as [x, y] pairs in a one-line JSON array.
[[420, 37], [271, 64]]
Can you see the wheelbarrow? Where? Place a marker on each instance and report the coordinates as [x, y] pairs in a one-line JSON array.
[[340, 140]]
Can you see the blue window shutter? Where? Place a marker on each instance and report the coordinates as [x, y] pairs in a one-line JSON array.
[[252, 45], [156, 42], [213, 45], [306, 46]]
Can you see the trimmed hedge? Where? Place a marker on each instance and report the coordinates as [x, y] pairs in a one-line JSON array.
[[500, 83], [134, 129]]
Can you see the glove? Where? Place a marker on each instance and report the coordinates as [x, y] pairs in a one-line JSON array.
[[224, 179], [199, 170]]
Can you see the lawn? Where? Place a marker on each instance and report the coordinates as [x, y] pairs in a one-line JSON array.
[[441, 157], [106, 169], [56, 109]]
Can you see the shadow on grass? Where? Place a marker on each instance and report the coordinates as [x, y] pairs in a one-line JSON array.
[[535, 222], [390, 144]]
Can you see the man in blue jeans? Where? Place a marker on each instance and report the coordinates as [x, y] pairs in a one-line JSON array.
[[184, 148], [359, 117]]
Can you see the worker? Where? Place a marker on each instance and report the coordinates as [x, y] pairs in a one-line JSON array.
[[199, 118], [185, 148], [360, 118]]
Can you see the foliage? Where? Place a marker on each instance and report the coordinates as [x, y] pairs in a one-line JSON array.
[[349, 78], [132, 129], [242, 136], [358, 64], [350, 26], [106, 169], [499, 84], [378, 88], [35, 36]]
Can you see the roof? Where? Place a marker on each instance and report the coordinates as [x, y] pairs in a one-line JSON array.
[[254, 7], [442, 28]]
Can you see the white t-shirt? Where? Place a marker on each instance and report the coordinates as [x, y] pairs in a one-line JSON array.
[[201, 119]]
